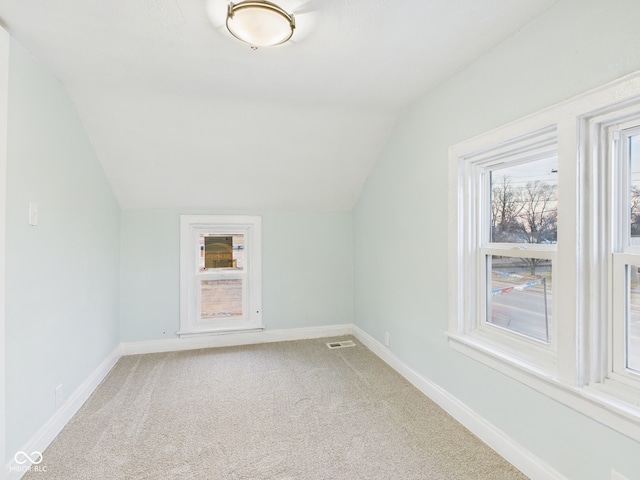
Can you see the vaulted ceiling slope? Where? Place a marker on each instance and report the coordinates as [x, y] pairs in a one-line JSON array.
[[181, 114]]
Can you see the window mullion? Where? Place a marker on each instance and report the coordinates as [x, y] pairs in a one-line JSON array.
[[566, 329]]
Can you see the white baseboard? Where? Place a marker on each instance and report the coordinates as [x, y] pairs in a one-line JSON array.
[[234, 339], [529, 464], [514, 453], [48, 432]]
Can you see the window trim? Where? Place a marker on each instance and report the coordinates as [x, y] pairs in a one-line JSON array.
[[623, 255], [581, 378], [191, 226], [473, 165], [605, 208]]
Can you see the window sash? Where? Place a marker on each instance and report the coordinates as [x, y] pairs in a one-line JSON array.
[[534, 149], [619, 351], [217, 320], [512, 289], [619, 138], [476, 184]]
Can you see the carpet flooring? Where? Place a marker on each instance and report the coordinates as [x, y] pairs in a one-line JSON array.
[[290, 410]]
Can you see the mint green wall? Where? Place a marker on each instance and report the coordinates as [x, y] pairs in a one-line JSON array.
[[4, 88], [87, 264], [307, 276], [61, 276], [576, 45]]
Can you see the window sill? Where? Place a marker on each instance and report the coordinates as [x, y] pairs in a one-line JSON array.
[[596, 402], [218, 331]]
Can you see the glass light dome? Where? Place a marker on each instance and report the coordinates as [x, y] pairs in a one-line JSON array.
[[259, 23]]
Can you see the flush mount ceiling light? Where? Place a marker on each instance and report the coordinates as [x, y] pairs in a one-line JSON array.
[[259, 23]]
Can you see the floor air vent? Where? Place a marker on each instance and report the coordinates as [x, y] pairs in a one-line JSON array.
[[343, 344]]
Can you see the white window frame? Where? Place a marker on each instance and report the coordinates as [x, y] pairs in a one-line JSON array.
[[191, 226], [618, 132], [476, 167], [579, 368], [606, 208]]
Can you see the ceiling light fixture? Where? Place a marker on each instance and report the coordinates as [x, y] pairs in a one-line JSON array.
[[259, 23]]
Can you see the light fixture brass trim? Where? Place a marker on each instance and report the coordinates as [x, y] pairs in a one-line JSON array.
[[260, 5]]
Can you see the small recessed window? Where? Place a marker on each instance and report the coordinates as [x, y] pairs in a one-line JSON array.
[[220, 265]]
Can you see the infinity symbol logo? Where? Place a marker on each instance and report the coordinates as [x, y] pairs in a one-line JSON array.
[[35, 457]]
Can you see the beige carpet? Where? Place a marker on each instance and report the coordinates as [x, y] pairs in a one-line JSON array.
[[291, 410]]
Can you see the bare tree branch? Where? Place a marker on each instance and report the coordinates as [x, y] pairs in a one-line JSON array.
[[527, 214]]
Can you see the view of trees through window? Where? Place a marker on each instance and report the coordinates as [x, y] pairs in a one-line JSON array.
[[524, 205], [634, 194], [523, 210]]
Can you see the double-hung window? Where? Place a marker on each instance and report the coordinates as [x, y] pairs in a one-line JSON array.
[[518, 255], [610, 136], [220, 274], [624, 323], [545, 252], [511, 202]]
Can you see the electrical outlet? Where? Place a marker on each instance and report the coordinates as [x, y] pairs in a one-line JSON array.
[[59, 395], [617, 476], [387, 339]]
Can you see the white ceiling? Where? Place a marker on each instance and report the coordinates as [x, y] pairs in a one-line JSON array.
[[181, 114]]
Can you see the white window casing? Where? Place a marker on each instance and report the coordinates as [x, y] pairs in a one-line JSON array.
[[192, 276], [584, 362]]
